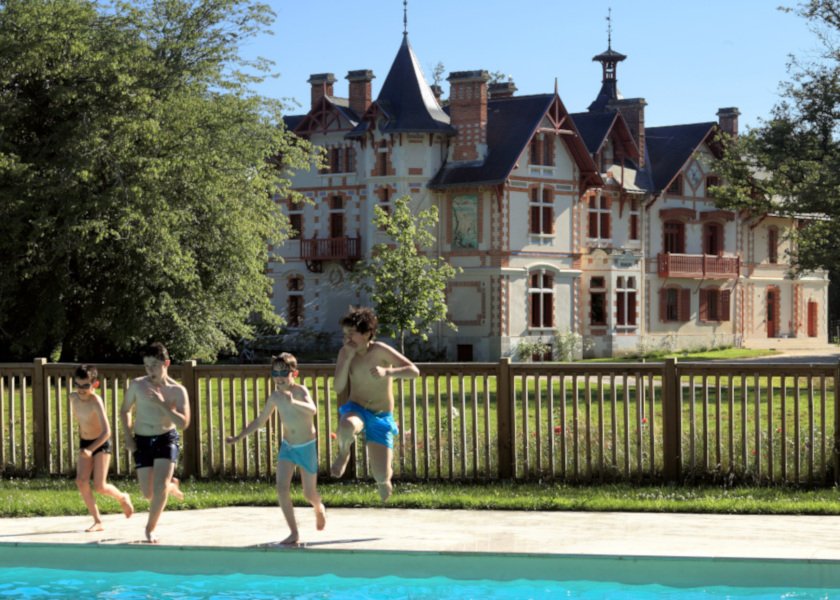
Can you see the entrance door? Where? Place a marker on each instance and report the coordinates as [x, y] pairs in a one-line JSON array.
[[813, 318], [772, 313]]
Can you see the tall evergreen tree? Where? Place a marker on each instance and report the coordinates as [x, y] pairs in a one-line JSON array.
[[137, 173]]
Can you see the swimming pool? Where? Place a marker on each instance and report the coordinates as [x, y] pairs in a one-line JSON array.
[[126, 571]]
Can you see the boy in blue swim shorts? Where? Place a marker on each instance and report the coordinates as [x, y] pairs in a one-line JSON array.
[[364, 375], [298, 447]]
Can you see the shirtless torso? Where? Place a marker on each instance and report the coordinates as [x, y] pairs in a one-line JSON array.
[[88, 412], [156, 405], [369, 385], [296, 409]]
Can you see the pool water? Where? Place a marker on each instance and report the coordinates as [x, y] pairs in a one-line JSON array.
[[28, 582]]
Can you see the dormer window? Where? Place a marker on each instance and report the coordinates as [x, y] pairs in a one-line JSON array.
[[676, 186]]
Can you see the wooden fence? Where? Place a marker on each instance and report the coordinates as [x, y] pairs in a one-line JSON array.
[[577, 422]]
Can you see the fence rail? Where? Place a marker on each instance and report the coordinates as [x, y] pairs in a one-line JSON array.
[[760, 422]]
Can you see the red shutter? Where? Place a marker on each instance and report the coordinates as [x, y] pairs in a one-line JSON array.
[[593, 224], [535, 151], [663, 305], [547, 220], [704, 305], [685, 305], [631, 308], [724, 305]]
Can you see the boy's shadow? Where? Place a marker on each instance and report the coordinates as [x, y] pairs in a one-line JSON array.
[[313, 544]]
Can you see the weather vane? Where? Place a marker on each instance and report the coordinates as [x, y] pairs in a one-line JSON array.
[[609, 27], [405, 17]]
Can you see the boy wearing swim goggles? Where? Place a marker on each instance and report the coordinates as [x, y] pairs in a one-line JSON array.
[[298, 447]]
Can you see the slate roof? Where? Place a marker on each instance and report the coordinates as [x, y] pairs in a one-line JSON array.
[[510, 124], [668, 149], [343, 106], [292, 121], [406, 100], [594, 128]]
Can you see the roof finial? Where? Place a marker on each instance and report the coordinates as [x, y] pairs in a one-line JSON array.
[[405, 17], [555, 86], [609, 28]]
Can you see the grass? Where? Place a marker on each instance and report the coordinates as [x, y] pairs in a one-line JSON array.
[[691, 355], [59, 497]]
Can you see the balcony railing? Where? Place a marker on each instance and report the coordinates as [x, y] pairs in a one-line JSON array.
[[315, 251], [699, 266]]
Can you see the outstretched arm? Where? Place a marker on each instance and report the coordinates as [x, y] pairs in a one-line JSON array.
[[256, 423]]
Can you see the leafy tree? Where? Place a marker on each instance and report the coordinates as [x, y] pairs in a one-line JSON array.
[[407, 287], [790, 164], [137, 173]]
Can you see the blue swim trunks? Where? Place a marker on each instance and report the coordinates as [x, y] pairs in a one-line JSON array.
[[303, 455], [380, 427]]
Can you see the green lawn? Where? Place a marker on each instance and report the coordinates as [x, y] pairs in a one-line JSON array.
[[55, 497]]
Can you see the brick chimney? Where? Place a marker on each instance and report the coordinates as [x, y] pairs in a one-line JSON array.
[[468, 114], [633, 111], [360, 96], [728, 120], [321, 83], [501, 90]]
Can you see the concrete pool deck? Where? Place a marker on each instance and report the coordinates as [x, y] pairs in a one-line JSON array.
[[385, 529]]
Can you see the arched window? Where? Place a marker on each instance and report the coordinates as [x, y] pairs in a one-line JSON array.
[[714, 304], [674, 304], [541, 299]]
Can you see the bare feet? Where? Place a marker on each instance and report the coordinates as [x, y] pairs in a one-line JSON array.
[[385, 490], [340, 462], [320, 517], [127, 506], [151, 538], [292, 540], [175, 488], [97, 526]]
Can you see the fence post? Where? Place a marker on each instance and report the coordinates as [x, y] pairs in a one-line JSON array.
[[40, 415], [837, 424], [504, 419], [671, 424], [192, 434]]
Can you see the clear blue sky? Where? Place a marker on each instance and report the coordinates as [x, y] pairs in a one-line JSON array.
[[687, 59]]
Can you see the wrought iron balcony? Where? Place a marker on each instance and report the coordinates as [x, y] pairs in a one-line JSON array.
[[699, 266], [316, 251]]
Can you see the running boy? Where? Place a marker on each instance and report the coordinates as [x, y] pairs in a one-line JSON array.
[[94, 445], [366, 369], [161, 408], [298, 447]]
